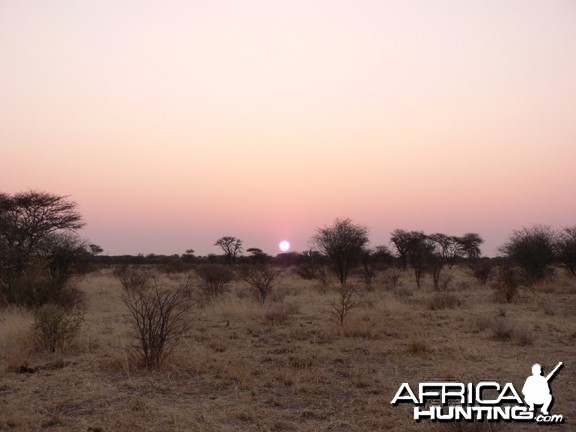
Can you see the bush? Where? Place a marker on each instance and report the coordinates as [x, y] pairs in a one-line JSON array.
[[306, 271], [133, 279], [261, 279], [215, 279], [533, 251], [345, 302], [56, 326], [159, 319], [481, 270], [35, 289]]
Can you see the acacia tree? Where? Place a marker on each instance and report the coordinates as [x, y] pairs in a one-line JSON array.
[[95, 249], [469, 249], [257, 256], [37, 235], [469, 246], [343, 244], [414, 249], [231, 246], [444, 250], [400, 239], [447, 249]]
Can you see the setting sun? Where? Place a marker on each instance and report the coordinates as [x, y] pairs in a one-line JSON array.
[[284, 245]]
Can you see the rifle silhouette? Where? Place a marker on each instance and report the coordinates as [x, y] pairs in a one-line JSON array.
[[551, 374]]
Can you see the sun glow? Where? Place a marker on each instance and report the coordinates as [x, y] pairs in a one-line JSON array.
[[284, 245]]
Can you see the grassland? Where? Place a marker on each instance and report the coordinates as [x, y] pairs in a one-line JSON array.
[[287, 366]]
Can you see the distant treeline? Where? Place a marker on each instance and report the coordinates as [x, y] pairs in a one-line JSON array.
[[182, 262], [177, 263], [41, 250]]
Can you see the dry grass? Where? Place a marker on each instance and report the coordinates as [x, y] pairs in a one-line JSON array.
[[285, 365], [16, 342]]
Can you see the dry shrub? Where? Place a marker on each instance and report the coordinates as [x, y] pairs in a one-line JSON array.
[[346, 301], [44, 282], [215, 279], [133, 279], [159, 318], [261, 279], [55, 327], [444, 300], [481, 270]]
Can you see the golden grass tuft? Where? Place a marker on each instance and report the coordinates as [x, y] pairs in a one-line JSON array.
[[16, 342]]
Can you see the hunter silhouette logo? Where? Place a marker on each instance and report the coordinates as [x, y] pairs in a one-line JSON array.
[[485, 400], [536, 390]]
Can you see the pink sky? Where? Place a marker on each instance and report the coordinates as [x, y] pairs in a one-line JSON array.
[[174, 123]]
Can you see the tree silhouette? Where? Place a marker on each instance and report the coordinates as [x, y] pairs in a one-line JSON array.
[[343, 244], [34, 228], [533, 250], [414, 250], [231, 246]]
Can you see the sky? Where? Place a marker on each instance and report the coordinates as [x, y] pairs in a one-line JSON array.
[[174, 123]]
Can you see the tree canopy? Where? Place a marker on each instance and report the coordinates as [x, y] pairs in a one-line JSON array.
[[37, 232], [343, 243]]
